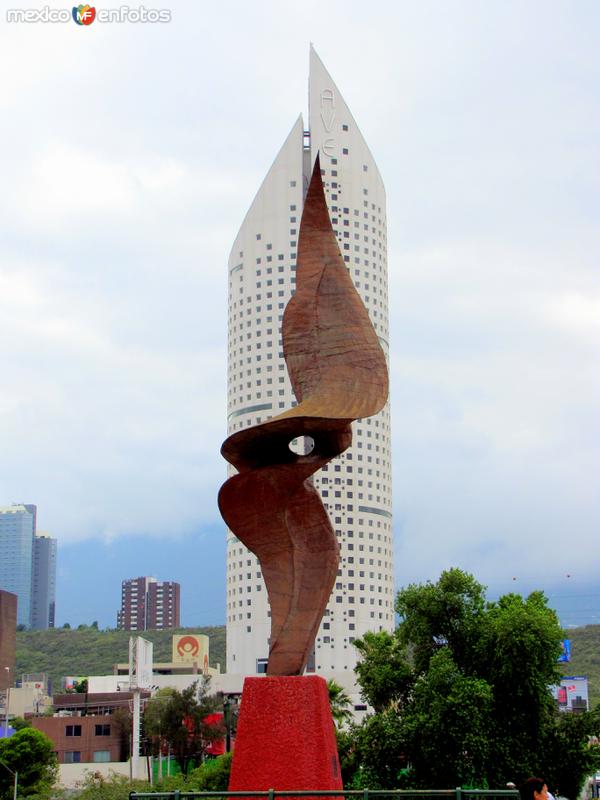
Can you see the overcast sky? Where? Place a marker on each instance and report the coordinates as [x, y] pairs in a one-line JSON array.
[[129, 154]]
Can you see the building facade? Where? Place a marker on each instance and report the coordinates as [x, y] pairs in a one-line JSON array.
[[43, 586], [8, 638], [17, 531], [148, 604], [84, 728], [28, 565], [356, 487], [163, 605]]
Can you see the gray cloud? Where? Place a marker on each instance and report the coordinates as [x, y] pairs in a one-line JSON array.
[[129, 157]]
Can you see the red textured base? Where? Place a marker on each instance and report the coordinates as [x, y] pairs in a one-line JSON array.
[[285, 737]]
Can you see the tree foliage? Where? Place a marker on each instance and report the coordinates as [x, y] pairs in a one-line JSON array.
[[371, 754], [446, 614], [18, 723], [179, 719], [30, 753], [383, 672], [212, 775], [339, 702], [461, 695]]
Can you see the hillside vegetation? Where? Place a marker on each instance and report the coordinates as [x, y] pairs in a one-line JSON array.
[[585, 658], [88, 651], [61, 652]]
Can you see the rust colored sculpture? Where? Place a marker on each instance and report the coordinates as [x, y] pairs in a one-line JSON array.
[[338, 373]]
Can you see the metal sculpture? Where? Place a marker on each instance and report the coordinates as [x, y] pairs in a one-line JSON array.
[[339, 374]]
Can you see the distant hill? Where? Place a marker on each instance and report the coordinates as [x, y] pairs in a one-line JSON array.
[[585, 658], [88, 651], [61, 652]]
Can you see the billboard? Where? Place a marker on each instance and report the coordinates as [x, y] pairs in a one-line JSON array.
[[572, 693], [191, 649], [141, 653], [566, 650], [71, 682]]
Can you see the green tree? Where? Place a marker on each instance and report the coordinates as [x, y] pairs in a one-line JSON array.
[[448, 727], [116, 787], [569, 752], [461, 694], [446, 614], [517, 651], [30, 753], [372, 754], [18, 723], [339, 702], [383, 672], [155, 718], [178, 718], [211, 776], [122, 719]]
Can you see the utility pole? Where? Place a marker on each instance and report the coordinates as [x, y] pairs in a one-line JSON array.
[[137, 721], [7, 704], [227, 720], [159, 754], [140, 677]]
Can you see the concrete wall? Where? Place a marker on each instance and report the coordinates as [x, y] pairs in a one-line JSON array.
[[70, 775], [24, 701]]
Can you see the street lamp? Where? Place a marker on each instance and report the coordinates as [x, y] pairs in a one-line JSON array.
[[15, 776]]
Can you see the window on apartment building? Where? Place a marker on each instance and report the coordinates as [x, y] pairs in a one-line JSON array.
[[261, 665], [73, 730], [72, 756], [102, 730], [101, 756]]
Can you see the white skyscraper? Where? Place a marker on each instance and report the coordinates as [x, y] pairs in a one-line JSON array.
[[356, 487]]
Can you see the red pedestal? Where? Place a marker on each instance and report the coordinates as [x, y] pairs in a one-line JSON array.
[[285, 736]]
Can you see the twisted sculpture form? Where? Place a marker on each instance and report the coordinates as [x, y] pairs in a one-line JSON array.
[[338, 374]]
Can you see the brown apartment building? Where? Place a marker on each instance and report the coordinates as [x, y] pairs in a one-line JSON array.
[[82, 739], [148, 604], [89, 728]]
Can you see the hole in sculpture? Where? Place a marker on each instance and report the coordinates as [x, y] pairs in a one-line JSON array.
[[302, 445]]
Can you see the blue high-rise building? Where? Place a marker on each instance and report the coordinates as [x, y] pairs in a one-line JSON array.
[[28, 565], [17, 532]]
